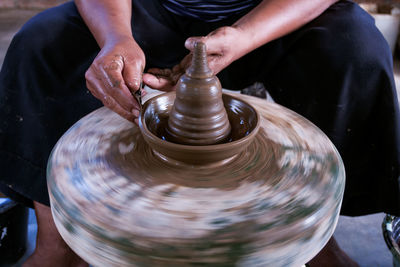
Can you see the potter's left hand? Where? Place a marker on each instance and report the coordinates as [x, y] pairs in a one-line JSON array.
[[270, 20], [222, 49]]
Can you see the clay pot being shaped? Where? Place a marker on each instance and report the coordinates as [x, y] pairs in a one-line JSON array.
[[154, 118], [198, 116], [193, 125]]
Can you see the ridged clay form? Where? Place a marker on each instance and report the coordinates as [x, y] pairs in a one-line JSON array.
[[153, 125], [198, 116]]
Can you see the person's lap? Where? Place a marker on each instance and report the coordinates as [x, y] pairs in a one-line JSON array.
[[42, 92]]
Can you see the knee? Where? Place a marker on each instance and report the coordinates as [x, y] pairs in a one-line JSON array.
[[42, 30], [352, 40], [29, 38]]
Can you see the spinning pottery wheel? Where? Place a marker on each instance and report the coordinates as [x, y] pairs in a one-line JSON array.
[[249, 183]]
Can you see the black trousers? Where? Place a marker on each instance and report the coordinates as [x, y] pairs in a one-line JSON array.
[[336, 71]]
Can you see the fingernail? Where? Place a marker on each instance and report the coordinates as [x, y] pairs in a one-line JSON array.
[[135, 112], [134, 83], [189, 43]]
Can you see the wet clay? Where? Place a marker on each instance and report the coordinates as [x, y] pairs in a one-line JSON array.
[[198, 116], [245, 124]]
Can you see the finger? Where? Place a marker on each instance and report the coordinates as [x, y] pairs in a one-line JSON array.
[[89, 76], [183, 65], [175, 78], [115, 86], [158, 82], [191, 41], [186, 62], [95, 86], [108, 101], [160, 72], [214, 44], [132, 74]]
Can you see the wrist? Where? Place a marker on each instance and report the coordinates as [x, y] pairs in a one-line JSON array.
[[115, 39], [244, 41], [234, 41]]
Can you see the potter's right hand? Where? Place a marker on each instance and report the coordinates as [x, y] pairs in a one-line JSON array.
[[115, 73]]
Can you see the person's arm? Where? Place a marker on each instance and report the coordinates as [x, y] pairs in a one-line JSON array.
[[273, 19], [270, 20], [117, 69]]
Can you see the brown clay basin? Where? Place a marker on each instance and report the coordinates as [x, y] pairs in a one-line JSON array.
[[244, 119]]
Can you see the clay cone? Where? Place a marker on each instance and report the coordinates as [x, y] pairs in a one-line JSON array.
[[198, 116]]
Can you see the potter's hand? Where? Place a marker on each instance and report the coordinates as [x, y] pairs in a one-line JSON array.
[[270, 20], [116, 71], [222, 50]]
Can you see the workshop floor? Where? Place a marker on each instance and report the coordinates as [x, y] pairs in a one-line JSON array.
[[361, 237]]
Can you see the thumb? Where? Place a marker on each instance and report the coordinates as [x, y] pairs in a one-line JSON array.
[[191, 41], [132, 74], [212, 42]]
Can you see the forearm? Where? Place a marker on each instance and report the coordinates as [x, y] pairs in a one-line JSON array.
[[108, 20], [272, 19], [117, 70]]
